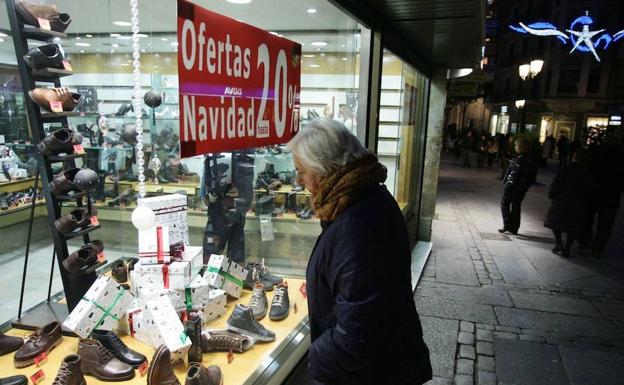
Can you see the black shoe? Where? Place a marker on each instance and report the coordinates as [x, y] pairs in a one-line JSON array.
[[557, 249], [45, 56], [14, 380], [113, 344], [502, 231]]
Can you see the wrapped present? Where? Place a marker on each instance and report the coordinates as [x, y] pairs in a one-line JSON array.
[[160, 325], [154, 247], [132, 320], [224, 274], [175, 275], [215, 308], [171, 211], [102, 307]]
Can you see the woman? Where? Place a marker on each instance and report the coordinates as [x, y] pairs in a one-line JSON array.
[[517, 179], [364, 324], [570, 201]]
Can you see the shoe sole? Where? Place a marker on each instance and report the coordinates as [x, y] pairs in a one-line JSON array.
[[261, 316], [278, 318], [23, 364], [250, 334], [109, 379]]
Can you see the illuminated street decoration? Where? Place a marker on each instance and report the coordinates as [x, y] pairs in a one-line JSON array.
[[579, 34]]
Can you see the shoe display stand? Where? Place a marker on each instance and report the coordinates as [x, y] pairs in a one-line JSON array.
[[75, 285], [265, 363]]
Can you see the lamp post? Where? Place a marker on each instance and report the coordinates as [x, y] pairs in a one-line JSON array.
[[526, 72], [520, 105]]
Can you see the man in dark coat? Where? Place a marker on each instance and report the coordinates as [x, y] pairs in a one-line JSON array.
[[516, 180], [563, 148]]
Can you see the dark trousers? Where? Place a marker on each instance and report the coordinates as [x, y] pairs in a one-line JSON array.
[[563, 160], [604, 218], [510, 208]]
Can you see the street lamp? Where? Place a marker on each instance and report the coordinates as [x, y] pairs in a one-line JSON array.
[[527, 71], [520, 103]]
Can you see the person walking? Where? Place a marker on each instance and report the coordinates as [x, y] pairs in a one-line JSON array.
[[492, 150], [482, 151], [563, 148], [547, 149], [364, 326], [516, 183], [570, 195], [467, 146]]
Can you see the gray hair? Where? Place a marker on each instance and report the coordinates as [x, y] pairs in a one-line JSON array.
[[325, 145]]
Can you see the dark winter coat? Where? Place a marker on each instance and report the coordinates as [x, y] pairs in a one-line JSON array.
[[607, 169], [570, 193], [363, 320], [518, 174]]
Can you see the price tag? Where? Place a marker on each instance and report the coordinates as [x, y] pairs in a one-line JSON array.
[[304, 290], [101, 257], [94, 221], [41, 359], [44, 23], [56, 106], [295, 308], [38, 376], [266, 228], [143, 368], [230, 356], [79, 149], [67, 65]]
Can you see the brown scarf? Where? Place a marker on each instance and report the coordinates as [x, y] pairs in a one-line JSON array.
[[341, 188]]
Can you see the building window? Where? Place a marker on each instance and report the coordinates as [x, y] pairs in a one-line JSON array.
[[593, 80], [568, 81]]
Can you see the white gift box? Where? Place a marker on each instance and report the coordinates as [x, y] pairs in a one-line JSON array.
[[171, 211], [215, 308], [102, 307], [176, 275], [224, 274], [150, 241]]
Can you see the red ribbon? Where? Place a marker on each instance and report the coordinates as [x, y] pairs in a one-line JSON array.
[[131, 321], [159, 245], [165, 271]]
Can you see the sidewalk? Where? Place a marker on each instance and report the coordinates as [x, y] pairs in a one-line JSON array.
[[501, 309]]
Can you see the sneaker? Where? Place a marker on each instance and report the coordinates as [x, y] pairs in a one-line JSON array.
[[253, 277], [243, 321], [264, 274], [280, 305], [224, 341], [259, 302]]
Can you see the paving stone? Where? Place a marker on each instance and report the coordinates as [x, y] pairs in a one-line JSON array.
[[528, 363], [506, 335], [509, 329], [485, 363], [553, 303], [454, 309], [529, 337], [439, 381], [486, 378], [496, 276], [467, 351], [462, 379], [441, 337], [614, 311], [536, 332], [518, 269], [485, 348], [484, 335], [466, 326], [465, 366], [553, 340], [573, 325], [485, 326], [465, 338], [592, 367]]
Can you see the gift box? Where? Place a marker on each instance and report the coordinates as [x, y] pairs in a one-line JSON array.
[[132, 320], [224, 274], [171, 211], [102, 307], [175, 275], [216, 307]]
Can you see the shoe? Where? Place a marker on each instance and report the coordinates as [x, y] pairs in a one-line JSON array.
[[280, 305], [74, 179], [129, 133], [30, 13], [45, 56], [192, 328], [9, 344], [265, 274], [42, 340], [160, 371], [113, 344], [253, 277], [224, 341], [198, 374], [83, 258], [258, 303], [306, 214], [131, 263], [4, 202], [120, 271], [78, 218], [14, 380], [557, 249], [60, 141], [100, 363], [243, 321], [69, 373], [502, 231], [43, 96]]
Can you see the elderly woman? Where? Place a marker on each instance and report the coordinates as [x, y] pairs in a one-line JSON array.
[[364, 324]]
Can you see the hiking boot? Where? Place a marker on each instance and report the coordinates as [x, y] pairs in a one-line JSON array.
[[243, 321], [258, 302], [69, 372], [100, 363], [43, 340], [280, 305], [198, 374], [224, 341]]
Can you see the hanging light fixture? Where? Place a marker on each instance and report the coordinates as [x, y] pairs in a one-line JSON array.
[[524, 70]]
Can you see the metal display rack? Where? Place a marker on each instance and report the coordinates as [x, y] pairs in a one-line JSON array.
[[74, 285]]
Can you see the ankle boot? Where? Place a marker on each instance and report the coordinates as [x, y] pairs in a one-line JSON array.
[[100, 363], [192, 327], [69, 373], [161, 371], [198, 374]]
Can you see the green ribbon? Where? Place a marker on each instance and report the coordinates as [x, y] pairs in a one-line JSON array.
[[183, 337], [107, 311], [225, 275], [188, 300]]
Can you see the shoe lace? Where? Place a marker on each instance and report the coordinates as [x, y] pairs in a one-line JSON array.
[[63, 374], [262, 269], [117, 343], [105, 354], [225, 342], [278, 297], [256, 298], [35, 337]]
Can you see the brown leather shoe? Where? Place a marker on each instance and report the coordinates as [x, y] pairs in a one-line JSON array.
[[100, 363], [120, 271], [84, 257], [69, 372], [9, 344], [198, 374], [43, 96], [31, 12], [161, 371], [42, 340], [60, 141], [78, 218]]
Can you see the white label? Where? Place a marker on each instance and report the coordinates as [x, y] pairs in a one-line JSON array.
[[266, 228]]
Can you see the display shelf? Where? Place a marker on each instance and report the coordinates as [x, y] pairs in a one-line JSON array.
[[17, 185], [41, 34], [21, 213], [63, 158], [75, 234], [50, 74]]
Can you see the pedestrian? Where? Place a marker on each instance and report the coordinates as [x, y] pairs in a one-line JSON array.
[[467, 148], [492, 151], [482, 151], [563, 148], [364, 325], [570, 195], [574, 145], [547, 149], [516, 183]]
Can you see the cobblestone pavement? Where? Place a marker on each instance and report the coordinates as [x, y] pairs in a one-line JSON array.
[[502, 309]]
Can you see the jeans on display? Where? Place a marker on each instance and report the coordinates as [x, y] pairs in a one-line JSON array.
[[510, 208]]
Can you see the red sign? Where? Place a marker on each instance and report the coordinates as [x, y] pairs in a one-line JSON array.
[[239, 85]]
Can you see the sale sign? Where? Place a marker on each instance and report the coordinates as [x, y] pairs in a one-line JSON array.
[[239, 85]]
